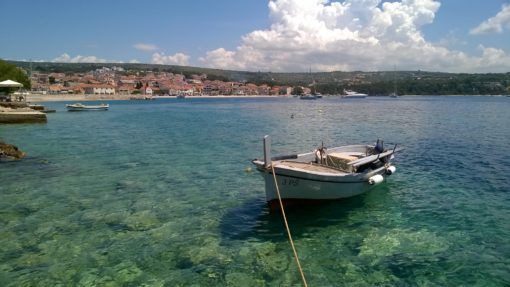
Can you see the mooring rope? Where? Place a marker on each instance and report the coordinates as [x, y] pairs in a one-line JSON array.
[[288, 229]]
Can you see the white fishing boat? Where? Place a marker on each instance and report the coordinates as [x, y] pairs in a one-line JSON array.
[[325, 173], [82, 107], [353, 95]]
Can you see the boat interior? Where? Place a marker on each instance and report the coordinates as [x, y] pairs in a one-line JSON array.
[[339, 160]]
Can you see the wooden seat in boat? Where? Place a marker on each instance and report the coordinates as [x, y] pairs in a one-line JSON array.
[[340, 160]]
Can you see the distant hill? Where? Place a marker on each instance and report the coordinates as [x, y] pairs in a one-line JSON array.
[[373, 83]]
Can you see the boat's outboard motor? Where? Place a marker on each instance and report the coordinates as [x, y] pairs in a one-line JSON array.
[[379, 146]]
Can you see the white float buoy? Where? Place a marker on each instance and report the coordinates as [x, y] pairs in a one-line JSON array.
[[376, 179], [391, 170]]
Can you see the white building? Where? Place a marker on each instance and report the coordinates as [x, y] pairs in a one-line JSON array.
[[100, 90], [147, 91]]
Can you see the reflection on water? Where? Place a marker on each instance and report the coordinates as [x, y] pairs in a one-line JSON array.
[[156, 193]]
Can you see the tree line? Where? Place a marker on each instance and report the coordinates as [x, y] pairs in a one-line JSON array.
[[12, 72]]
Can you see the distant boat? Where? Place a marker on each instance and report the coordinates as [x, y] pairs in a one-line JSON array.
[[325, 174], [394, 94], [353, 95], [309, 97], [143, 97], [313, 95], [36, 107], [82, 107]]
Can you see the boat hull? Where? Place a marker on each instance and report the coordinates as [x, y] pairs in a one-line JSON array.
[[354, 96], [308, 97], [71, 108], [294, 187]]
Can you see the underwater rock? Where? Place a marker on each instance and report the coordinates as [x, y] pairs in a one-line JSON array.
[[130, 164], [115, 218], [186, 277], [31, 260], [242, 279], [9, 246], [10, 151], [209, 250], [270, 261], [45, 231], [91, 277], [129, 186], [5, 268], [142, 220], [15, 214], [127, 272], [112, 218], [244, 252], [143, 203], [397, 241]]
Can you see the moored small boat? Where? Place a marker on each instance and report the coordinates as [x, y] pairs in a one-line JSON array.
[[353, 95], [325, 173], [82, 107], [309, 97]]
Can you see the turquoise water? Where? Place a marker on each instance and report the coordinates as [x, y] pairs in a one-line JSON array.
[[156, 194]]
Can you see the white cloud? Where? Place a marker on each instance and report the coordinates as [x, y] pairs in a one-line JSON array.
[[451, 40], [348, 35], [145, 47], [65, 58], [221, 58], [176, 59], [494, 24]]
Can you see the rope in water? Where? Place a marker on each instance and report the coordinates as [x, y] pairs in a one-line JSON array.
[[288, 229]]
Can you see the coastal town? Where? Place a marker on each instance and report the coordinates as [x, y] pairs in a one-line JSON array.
[[135, 81], [117, 81]]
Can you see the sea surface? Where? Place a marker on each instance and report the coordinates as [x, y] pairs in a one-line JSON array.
[[162, 193]]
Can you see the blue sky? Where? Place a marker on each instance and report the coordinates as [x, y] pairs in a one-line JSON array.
[[280, 35]]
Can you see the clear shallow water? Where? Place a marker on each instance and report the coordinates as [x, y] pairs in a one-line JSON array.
[[155, 193]]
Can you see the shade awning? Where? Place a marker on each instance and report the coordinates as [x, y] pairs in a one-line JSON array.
[[10, 84]]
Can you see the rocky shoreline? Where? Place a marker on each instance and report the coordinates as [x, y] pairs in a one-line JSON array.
[[10, 151]]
